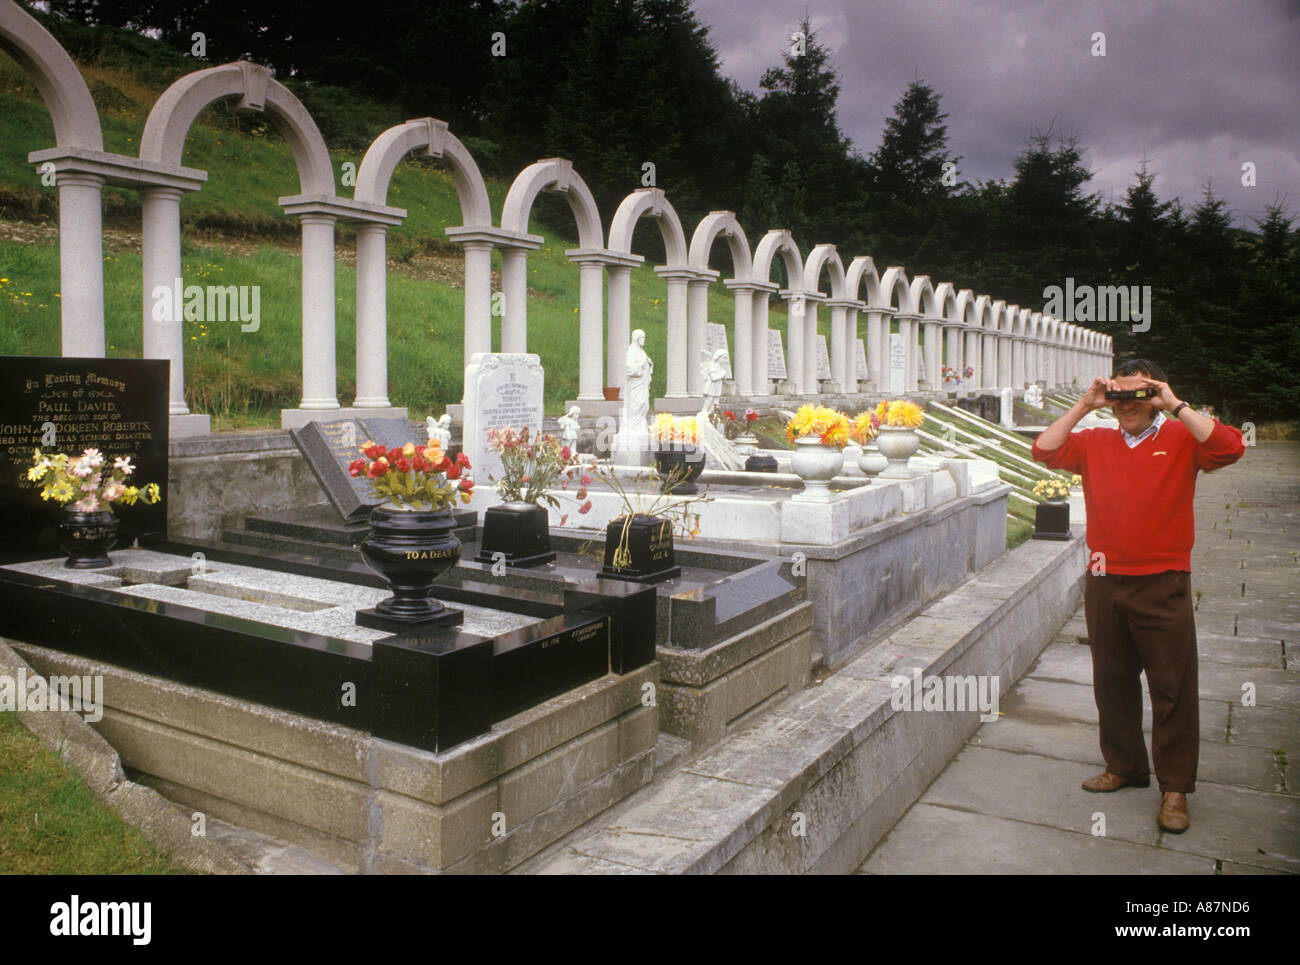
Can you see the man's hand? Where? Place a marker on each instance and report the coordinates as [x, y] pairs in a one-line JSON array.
[[1095, 397], [1166, 399]]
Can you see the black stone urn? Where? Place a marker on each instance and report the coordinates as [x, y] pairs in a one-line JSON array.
[[679, 468], [410, 549], [522, 531], [646, 554], [760, 462], [1052, 521], [87, 537]]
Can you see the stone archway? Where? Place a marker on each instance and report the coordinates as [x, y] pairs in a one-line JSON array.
[[317, 207], [744, 326], [640, 203], [428, 137], [779, 241], [78, 177]]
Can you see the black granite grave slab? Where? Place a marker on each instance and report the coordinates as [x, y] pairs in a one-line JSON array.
[[631, 609], [431, 690], [67, 405]]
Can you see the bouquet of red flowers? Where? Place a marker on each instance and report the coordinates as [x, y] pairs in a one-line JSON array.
[[415, 477]]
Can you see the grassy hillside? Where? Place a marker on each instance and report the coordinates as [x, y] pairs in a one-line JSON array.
[[235, 234]]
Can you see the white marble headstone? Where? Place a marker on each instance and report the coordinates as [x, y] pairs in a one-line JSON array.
[[862, 361], [715, 337], [501, 389], [823, 360], [897, 363], [775, 356], [1034, 395], [1006, 411]]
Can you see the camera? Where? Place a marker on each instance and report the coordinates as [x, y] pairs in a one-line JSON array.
[[1123, 395]]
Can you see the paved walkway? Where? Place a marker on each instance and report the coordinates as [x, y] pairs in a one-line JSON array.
[[1010, 801]]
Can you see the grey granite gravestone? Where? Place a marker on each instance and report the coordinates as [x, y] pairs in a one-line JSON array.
[[329, 448], [775, 356], [823, 360]]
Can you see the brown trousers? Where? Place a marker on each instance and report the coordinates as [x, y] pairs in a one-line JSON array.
[[1138, 623]]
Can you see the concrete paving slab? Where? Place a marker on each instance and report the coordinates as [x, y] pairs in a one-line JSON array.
[[1065, 663], [1267, 727], [1270, 688], [1238, 824], [1044, 791], [941, 840], [1233, 764]]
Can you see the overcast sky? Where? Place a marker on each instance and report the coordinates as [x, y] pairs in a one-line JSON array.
[[1197, 86]]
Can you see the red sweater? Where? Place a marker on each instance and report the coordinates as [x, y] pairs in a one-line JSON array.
[[1139, 500]]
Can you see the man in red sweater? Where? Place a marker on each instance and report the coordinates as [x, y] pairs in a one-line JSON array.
[[1138, 485]]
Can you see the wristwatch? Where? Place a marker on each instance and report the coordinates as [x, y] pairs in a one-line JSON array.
[[1178, 408]]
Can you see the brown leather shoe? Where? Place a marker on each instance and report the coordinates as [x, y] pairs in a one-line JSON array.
[[1106, 782], [1173, 812]]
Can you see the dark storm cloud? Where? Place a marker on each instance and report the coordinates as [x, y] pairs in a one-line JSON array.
[[1198, 88]]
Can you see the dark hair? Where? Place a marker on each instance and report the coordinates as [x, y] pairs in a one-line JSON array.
[[1140, 367]]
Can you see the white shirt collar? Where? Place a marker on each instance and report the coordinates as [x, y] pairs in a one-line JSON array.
[[1150, 430]]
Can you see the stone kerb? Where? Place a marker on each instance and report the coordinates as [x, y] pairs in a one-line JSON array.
[[369, 805]]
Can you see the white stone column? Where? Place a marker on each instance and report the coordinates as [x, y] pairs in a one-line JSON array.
[[972, 361], [810, 381], [81, 264], [758, 316], [952, 352], [934, 354], [697, 315], [796, 315], [160, 248], [514, 282], [319, 366], [907, 328], [837, 349], [1004, 361], [619, 283], [478, 298], [988, 360], [851, 386], [591, 328], [372, 316], [1017, 362], [676, 381], [742, 355], [877, 349]]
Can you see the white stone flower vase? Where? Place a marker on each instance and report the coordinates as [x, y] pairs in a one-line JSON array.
[[871, 460], [897, 444], [816, 464]]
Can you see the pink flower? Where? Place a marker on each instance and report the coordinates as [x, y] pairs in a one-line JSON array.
[[93, 482], [88, 505], [113, 491], [585, 507], [586, 479], [581, 493], [123, 465], [80, 468], [564, 519], [94, 458], [566, 453]]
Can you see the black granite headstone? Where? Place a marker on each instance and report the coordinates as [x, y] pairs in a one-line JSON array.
[[330, 447], [67, 405], [650, 550]]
